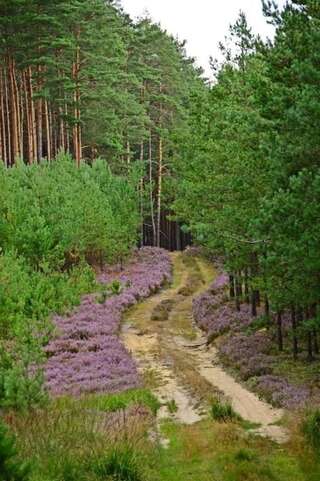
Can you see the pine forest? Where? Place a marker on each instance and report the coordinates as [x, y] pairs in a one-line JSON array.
[[159, 246]]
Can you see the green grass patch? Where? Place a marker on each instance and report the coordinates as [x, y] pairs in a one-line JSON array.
[[114, 402], [172, 406], [212, 451], [311, 429], [121, 463], [222, 411]]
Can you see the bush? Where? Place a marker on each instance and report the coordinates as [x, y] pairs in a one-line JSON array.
[[223, 411], [311, 429], [121, 463], [55, 220], [11, 468], [21, 376]]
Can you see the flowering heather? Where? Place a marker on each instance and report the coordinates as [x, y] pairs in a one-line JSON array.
[[281, 393], [249, 353], [88, 356], [213, 314]]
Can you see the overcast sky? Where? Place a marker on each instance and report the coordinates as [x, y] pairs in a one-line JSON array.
[[203, 23]]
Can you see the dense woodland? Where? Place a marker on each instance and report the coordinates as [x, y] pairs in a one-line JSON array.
[[248, 177], [111, 138], [80, 77]]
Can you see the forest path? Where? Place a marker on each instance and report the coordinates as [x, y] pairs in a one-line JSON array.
[[174, 360]]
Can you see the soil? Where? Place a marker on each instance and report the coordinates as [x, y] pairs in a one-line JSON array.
[[175, 362]]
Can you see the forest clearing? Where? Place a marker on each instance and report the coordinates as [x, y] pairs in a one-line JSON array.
[[159, 247]]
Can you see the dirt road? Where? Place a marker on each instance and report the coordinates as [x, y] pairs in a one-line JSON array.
[[174, 360]]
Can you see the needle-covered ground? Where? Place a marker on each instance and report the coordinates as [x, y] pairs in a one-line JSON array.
[[87, 355]]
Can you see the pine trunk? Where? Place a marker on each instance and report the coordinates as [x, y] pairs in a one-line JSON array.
[[151, 191], [231, 286], [7, 118], [76, 98], [3, 147], [47, 123], [294, 333], [279, 330], [159, 192]]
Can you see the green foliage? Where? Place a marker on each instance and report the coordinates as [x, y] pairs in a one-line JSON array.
[[172, 406], [247, 178], [222, 411], [311, 429], [55, 220], [54, 215], [89, 438], [115, 402], [121, 463], [11, 468], [21, 377]]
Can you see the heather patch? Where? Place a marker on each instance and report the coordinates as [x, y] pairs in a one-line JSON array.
[[87, 356], [213, 314], [245, 346], [280, 392]]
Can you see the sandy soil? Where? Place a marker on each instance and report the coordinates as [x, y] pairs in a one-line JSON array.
[[176, 363]]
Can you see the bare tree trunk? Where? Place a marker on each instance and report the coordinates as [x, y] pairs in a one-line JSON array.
[[76, 97], [294, 333], [151, 191], [231, 286], [47, 122], [7, 108], [246, 286], [62, 144], [159, 192], [141, 193], [13, 113], [3, 156], [28, 119], [39, 119], [279, 330], [67, 132], [33, 117], [160, 171], [22, 115], [238, 291]]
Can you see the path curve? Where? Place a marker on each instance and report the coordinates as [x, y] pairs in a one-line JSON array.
[[175, 361]]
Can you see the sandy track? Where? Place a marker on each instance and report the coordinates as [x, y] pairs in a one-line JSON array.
[[174, 355]]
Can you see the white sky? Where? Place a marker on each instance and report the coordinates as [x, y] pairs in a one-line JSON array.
[[203, 23]]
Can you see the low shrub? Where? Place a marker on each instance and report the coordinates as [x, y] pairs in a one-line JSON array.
[[223, 411], [311, 429], [162, 311], [244, 454], [123, 400], [121, 463], [172, 406], [11, 467], [55, 222]]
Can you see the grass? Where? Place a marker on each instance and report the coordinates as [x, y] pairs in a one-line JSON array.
[[211, 451], [172, 406], [121, 463], [73, 445], [152, 378], [94, 438], [162, 311], [297, 372], [311, 429], [111, 402], [222, 411]]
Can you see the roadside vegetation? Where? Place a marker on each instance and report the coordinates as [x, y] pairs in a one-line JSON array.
[[232, 165]]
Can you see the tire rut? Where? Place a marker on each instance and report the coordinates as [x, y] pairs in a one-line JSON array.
[[171, 351]]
